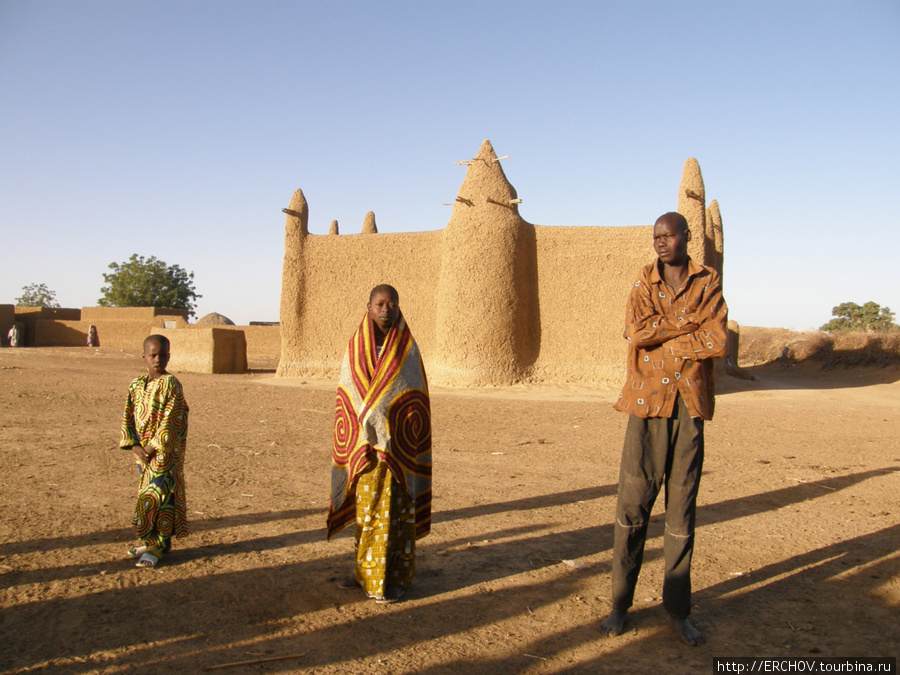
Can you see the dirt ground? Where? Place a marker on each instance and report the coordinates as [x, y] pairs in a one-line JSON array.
[[796, 552]]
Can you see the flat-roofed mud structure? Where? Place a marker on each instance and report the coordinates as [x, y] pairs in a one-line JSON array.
[[207, 350]]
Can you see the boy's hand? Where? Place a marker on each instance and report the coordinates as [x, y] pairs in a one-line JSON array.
[[143, 454]]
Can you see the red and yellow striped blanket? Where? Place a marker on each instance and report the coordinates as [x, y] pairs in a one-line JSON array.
[[382, 412]]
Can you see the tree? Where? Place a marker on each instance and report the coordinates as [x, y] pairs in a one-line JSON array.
[[870, 316], [37, 295], [148, 283]]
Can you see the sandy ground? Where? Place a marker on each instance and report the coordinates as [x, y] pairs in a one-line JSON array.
[[796, 553]]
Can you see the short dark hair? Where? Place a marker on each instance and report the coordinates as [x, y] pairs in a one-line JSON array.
[[677, 217], [385, 288], [161, 340]]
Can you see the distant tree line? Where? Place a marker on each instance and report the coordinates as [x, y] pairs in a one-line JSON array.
[[868, 317]]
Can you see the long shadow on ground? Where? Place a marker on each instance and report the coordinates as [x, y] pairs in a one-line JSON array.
[[191, 623]]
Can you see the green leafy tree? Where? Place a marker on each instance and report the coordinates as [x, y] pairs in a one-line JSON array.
[[148, 283], [870, 316], [37, 295]]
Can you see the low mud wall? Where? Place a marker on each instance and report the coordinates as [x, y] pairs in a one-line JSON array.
[[207, 350], [263, 345], [30, 316]]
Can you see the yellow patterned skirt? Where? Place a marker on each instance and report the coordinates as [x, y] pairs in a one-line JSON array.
[[385, 533], [159, 511]]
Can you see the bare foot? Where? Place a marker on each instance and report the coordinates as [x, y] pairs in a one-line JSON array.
[[688, 634], [614, 624]]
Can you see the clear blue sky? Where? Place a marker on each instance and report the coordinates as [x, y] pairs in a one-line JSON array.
[[181, 129]]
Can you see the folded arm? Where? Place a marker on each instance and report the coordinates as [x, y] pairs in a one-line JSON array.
[[700, 335], [709, 339], [645, 326]]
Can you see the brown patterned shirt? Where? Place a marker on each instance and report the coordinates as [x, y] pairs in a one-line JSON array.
[[673, 337]]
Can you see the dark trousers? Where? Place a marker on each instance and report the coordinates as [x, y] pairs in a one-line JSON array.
[[658, 452]]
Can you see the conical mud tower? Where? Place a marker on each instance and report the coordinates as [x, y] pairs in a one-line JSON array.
[[706, 245], [714, 225], [296, 230], [692, 205], [487, 296]]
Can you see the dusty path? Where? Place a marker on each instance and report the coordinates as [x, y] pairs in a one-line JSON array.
[[796, 549]]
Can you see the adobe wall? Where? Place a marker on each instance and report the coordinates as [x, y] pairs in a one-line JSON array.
[[326, 282], [492, 299], [405, 261], [31, 315], [263, 345], [126, 327], [147, 315], [584, 277], [50, 333], [123, 334], [207, 350], [128, 330], [117, 327]]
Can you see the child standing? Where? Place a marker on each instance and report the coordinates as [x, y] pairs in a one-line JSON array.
[[154, 428]]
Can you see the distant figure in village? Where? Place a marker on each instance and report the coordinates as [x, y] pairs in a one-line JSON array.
[[154, 428], [381, 460], [15, 336], [92, 339], [675, 326]]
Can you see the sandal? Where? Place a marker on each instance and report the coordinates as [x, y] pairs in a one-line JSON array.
[[136, 552], [391, 595], [147, 560]]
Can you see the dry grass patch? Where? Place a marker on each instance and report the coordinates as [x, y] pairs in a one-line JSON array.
[[760, 346]]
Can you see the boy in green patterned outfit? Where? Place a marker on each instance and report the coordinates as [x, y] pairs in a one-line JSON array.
[[154, 428]]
